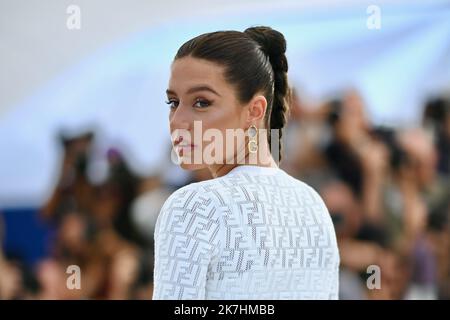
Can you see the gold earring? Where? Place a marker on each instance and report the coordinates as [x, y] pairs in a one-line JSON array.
[[252, 143]]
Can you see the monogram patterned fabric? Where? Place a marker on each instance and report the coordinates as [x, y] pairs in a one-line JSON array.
[[254, 233]]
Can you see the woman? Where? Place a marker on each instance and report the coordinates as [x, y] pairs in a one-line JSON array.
[[253, 231]]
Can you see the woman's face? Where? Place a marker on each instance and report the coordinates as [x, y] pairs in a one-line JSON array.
[[199, 92]]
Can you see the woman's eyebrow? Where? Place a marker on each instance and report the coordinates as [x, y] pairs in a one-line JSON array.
[[170, 92], [202, 88], [195, 89]]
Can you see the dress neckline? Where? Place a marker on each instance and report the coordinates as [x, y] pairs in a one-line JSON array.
[[254, 169]]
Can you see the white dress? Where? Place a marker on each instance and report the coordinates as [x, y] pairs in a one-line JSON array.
[[254, 233]]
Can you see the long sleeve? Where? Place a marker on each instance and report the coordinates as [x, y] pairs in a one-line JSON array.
[[186, 240]]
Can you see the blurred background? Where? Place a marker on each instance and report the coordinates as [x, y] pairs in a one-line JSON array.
[[85, 147]]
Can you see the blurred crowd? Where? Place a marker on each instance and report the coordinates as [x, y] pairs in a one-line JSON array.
[[387, 191]]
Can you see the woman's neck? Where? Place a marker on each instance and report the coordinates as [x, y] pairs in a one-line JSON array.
[[264, 160]]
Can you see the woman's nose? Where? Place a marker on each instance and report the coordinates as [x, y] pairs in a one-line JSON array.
[[181, 118]]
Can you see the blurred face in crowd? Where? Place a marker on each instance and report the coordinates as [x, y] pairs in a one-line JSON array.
[[51, 277], [343, 208], [447, 125], [422, 153], [352, 120], [11, 280], [198, 91], [72, 232]]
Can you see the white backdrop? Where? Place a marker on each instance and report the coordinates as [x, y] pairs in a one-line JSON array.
[[119, 85]]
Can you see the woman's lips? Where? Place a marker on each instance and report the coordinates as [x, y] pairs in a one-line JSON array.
[[182, 148], [187, 145]]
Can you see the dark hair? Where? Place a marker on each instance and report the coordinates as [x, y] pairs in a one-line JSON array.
[[335, 107], [436, 110], [254, 61]]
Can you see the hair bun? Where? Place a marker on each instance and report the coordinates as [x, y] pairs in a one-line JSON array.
[[272, 43]]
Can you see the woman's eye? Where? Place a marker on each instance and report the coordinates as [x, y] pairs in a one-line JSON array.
[[201, 103], [172, 103]]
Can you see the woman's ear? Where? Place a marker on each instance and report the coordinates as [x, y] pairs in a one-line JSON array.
[[256, 109]]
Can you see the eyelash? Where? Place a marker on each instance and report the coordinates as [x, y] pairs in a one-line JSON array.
[[206, 103], [169, 102]]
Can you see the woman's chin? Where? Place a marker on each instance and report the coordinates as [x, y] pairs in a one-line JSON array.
[[191, 166]]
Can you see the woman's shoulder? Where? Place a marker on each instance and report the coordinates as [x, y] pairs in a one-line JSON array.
[[187, 211], [198, 187], [214, 187], [199, 193]]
